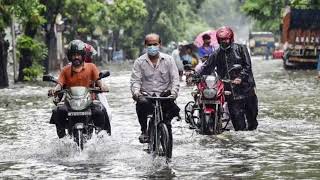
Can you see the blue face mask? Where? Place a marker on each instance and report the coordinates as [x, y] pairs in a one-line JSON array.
[[153, 50]]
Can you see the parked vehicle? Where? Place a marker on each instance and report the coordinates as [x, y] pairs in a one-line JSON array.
[[259, 41], [277, 54], [300, 36]]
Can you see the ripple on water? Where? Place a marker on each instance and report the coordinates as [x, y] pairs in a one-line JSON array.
[[285, 146]]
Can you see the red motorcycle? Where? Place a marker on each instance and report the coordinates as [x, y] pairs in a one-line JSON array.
[[206, 112]]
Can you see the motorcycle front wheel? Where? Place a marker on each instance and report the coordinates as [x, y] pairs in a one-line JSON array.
[[78, 138], [207, 124]]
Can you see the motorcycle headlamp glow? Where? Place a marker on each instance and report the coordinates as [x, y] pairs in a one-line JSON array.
[[209, 93], [79, 103]]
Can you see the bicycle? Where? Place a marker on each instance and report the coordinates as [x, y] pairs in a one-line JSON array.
[[160, 141]]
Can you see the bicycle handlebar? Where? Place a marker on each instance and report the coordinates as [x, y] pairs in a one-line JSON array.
[[159, 98]]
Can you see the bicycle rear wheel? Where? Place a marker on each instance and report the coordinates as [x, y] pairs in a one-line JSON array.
[[165, 145]]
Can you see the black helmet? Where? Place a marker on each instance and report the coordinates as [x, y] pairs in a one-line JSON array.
[[76, 47]]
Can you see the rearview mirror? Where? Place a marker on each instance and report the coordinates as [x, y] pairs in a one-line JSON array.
[[104, 74], [49, 78], [235, 67]]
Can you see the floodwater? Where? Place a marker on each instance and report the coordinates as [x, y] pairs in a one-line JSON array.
[[285, 146]]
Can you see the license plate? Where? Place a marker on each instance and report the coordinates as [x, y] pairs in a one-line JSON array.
[[209, 102], [85, 113]]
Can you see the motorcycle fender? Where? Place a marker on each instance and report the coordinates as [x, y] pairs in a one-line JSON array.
[[79, 126], [209, 110]]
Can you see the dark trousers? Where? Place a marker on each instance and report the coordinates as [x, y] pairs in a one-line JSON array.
[[240, 110], [145, 108], [60, 115], [236, 109], [170, 110], [251, 111]]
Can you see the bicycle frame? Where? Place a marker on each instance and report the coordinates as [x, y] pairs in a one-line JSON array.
[[156, 120]]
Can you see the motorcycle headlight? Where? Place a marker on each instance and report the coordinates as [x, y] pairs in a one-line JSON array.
[[80, 103], [209, 93]]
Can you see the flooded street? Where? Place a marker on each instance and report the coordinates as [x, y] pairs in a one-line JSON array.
[[285, 146]]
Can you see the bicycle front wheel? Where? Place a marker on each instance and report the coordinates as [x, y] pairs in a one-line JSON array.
[[165, 145]]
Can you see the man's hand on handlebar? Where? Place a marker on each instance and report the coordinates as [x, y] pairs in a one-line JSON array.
[[237, 81], [51, 92], [169, 93], [102, 89], [136, 95]]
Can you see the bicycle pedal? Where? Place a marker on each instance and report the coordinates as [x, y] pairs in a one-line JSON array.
[[162, 153], [143, 141], [147, 150]]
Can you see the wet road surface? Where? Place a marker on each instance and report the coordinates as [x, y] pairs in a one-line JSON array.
[[285, 146]]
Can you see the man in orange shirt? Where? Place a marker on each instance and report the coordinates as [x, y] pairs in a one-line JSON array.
[[78, 73]]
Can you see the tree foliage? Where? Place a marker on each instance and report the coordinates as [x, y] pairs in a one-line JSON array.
[[128, 20], [83, 17], [128, 17], [38, 49], [268, 14]]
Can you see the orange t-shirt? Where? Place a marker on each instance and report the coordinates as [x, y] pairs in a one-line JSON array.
[[83, 77]]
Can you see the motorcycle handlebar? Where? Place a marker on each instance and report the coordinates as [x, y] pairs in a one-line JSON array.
[[97, 90], [226, 80]]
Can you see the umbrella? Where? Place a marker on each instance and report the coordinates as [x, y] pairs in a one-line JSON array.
[[212, 33]]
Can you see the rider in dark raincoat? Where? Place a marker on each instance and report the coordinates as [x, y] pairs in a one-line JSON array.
[[223, 59]]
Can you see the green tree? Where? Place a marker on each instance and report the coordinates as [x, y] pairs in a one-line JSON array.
[[28, 12], [268, 14], [4, 22], [173, 20], [53, 8], [84, 17], [37, 51], [126, 16]]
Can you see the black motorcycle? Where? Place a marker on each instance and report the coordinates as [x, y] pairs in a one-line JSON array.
[[78, 100]]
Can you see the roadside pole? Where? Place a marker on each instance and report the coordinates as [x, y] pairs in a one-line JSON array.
[[14, 55]]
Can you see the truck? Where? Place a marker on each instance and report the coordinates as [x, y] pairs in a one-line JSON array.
[[259, 41], [300, 36]]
